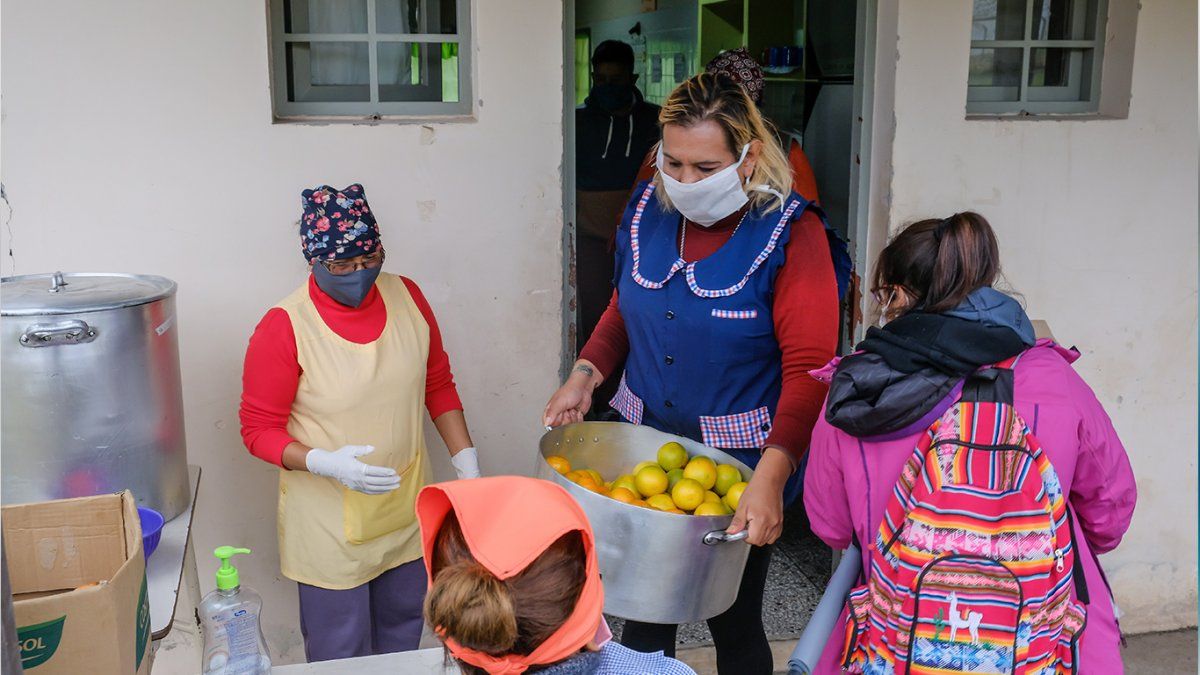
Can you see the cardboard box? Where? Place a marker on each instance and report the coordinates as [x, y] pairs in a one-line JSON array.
[[79, 585]]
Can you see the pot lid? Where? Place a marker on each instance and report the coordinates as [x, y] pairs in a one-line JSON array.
[[76, 292]]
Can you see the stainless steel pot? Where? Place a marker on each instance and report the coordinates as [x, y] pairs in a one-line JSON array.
[[91, 391], [657, 567]]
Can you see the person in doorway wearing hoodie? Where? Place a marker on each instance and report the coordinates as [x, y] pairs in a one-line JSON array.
[[336, 380], [943, 323], [614, 129]]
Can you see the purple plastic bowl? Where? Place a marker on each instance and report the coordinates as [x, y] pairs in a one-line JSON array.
[[152, 523]]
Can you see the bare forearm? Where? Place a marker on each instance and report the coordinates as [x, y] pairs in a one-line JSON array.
[[294, 456], [452, 427]]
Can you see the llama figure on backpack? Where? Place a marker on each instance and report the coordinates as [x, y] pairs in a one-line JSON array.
[[970, 621], [978, 469]]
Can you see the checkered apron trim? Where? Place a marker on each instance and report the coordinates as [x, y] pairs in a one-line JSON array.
[[634, 226], [735, 313], [742, 430], [627, 403], [690, 272]]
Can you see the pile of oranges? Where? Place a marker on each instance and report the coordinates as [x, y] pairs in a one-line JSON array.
[[674, 483]]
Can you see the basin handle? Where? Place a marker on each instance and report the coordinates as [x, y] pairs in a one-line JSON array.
[[719, 537], [64, 332]]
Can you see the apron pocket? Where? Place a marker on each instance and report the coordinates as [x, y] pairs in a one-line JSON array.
[[742, 430], [627, 403], [366, 517]]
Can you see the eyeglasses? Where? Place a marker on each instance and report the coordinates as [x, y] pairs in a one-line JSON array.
[[363, 262]]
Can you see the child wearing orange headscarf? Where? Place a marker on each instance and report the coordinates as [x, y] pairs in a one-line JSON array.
[[514, 585]]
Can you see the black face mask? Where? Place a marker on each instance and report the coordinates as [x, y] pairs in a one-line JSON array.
[[610, 98], [348, 289]]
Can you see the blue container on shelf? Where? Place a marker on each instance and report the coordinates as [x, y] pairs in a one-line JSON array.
[[152, 524]]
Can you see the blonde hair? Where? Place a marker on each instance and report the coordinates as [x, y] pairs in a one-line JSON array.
[[717, 97]]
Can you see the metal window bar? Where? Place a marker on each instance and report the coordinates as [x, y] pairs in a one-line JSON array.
[[982, 100], [285, 108]]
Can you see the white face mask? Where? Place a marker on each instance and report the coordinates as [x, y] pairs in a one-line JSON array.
[[709, 200]]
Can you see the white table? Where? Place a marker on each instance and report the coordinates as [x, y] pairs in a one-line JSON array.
[[421, 661], [164, 570]]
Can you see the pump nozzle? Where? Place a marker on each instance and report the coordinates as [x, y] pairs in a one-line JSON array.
[[227, 574]]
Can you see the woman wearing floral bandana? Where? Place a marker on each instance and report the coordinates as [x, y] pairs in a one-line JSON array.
[[335, 380]]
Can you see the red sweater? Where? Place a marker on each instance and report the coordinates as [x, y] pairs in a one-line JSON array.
[[272, 370], [805, 311]]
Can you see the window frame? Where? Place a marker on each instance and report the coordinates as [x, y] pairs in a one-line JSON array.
[[987, 100], [374, 109]]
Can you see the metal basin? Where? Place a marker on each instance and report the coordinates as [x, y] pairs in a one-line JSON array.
[[657, 567]]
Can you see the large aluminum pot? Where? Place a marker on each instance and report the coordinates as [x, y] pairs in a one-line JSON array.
[[657, 567], [91, 391]]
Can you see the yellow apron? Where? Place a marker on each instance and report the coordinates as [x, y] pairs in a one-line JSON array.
[[355, 394]]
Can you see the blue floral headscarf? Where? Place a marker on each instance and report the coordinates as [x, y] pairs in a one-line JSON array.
[[337, 224]]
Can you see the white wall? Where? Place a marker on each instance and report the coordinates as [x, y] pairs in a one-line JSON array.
[[137, 137], [1097, 222]]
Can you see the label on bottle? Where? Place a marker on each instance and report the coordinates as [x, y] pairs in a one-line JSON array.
[[234, 648]]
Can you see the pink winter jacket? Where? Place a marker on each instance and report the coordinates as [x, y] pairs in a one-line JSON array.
[[1075, 433]]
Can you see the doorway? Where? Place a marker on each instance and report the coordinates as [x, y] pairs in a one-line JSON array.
[[822, 102]]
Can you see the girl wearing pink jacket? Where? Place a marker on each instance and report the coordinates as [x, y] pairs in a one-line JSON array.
[[943, 322]]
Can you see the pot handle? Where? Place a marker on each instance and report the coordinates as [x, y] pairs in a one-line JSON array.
[[69, 332], [719, 537]]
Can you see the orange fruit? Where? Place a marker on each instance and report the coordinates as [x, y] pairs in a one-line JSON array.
[[673, 477], [710, 496], [623, 495], [702, 470], [734, 495], [642, 503], [585, 481], [727, 475], [687, 494], [711, 509], [575, 475], [595, 476], [642, 465], [682, 513], [559, 464], [672, 456], [650, 481], [626, 482], [661, 501]]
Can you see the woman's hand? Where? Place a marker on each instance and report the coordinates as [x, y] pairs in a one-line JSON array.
[[760, 508], [572, 400]]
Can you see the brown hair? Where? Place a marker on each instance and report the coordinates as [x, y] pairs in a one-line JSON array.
[[939, 262], [468, 603], [717, 97]]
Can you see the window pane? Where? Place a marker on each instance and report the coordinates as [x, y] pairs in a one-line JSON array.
[[328, 72], [416, 16], [1064, 19], [1060, 74], [418, 71], [995, 67], [325, 16], [998, 20]]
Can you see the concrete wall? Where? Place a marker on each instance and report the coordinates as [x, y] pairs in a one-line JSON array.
[[137, 137], [1097, 222]]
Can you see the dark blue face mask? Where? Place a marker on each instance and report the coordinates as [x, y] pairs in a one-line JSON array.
[[610, 97], [349, 289]]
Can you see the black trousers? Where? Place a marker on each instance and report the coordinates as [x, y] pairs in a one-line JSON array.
[[738, 633]]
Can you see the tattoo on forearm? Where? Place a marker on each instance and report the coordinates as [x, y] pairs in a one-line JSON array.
[[585, 369]]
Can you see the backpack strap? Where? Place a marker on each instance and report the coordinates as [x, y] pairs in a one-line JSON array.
[[990, 385]]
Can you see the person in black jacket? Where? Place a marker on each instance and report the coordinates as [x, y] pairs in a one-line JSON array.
[[614, 129]]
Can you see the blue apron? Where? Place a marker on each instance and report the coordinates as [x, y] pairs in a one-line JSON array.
[[703, 359]]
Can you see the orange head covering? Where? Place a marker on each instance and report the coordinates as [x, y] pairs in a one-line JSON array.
[[508, 522]]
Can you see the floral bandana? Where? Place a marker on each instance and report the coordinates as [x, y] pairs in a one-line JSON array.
[[742, 68], [337, 224]]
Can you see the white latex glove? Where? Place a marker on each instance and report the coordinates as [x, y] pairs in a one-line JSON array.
[[344, 466], [466, 463]]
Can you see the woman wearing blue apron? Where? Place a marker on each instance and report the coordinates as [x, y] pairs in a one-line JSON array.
[[725, 298]]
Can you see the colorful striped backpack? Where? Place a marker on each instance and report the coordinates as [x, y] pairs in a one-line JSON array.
[[973, 568]]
